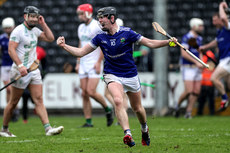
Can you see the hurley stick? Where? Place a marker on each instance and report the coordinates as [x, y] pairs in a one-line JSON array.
[[159, 29], [33, 67]]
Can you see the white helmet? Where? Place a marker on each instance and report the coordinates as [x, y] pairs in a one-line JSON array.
[[119, 22], [8, 22], [195, 22]]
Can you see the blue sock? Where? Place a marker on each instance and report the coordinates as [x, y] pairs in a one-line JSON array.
[[224, 97]]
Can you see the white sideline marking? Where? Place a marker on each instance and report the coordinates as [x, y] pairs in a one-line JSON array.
[[21, 141]]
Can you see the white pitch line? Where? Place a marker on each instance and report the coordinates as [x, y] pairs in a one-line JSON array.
[[21, 141]]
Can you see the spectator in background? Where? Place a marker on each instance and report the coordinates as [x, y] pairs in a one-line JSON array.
[[207, 88], [8, 25], [89, 67], [220, 20], [41, 54], [191, 69]]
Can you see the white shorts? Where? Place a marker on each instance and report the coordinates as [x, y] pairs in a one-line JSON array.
[[34, 77], [129, 84], [225, 63], [5, 73], [191, 73], [88, 71]]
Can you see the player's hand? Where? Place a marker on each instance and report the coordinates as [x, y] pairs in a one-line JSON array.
[[224, 5], [199, 65], [77, 68], [172, 42], [97, 67], [23, 71], [41, 20], [202, 49], [61, 41]]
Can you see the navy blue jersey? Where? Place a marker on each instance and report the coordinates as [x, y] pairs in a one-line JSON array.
[[184, 42], [223, 39], [118, 51], [4, 41]]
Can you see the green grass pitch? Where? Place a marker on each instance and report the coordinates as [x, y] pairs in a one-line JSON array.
[[198, 135]]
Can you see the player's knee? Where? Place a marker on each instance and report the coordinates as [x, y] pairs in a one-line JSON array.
[[213, 79], [137, 109], [118, 102], [38, 100], [91, 93], [84, 93]]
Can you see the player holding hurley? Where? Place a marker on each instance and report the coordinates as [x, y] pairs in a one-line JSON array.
[[120, 71]]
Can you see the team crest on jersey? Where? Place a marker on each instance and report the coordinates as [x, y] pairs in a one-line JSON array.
[[122, 40]]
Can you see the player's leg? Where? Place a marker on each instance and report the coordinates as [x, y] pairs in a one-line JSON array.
[[216, 77], [189, 89], [109, 97], [14, 98], [117, 92], [91, 90], [194, 89], [87, 108], [7, 90], [182, 97], [36, 95], [135, 102]]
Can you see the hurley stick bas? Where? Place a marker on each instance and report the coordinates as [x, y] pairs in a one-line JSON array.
[[33, 67], [159, 29]]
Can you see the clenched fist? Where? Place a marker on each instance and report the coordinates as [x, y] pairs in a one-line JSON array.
[[61, 41]]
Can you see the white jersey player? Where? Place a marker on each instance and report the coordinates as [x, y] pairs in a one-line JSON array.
[[87, 63], [22, 50], [89, 67]]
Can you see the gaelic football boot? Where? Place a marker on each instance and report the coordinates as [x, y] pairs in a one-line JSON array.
[[128, 140]]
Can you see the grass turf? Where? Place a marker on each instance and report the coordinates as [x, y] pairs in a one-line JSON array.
[[197, 135]]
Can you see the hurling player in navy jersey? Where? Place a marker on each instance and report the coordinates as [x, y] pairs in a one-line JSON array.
[[222, 40], [120, 72]]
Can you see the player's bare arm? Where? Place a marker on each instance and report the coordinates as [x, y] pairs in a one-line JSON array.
[[190, 58], [47, 34], [223, 15], [12, 52], [78, 52], [210, 45], [156, 43]]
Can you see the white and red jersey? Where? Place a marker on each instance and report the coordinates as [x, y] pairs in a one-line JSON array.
[[85, 34]]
